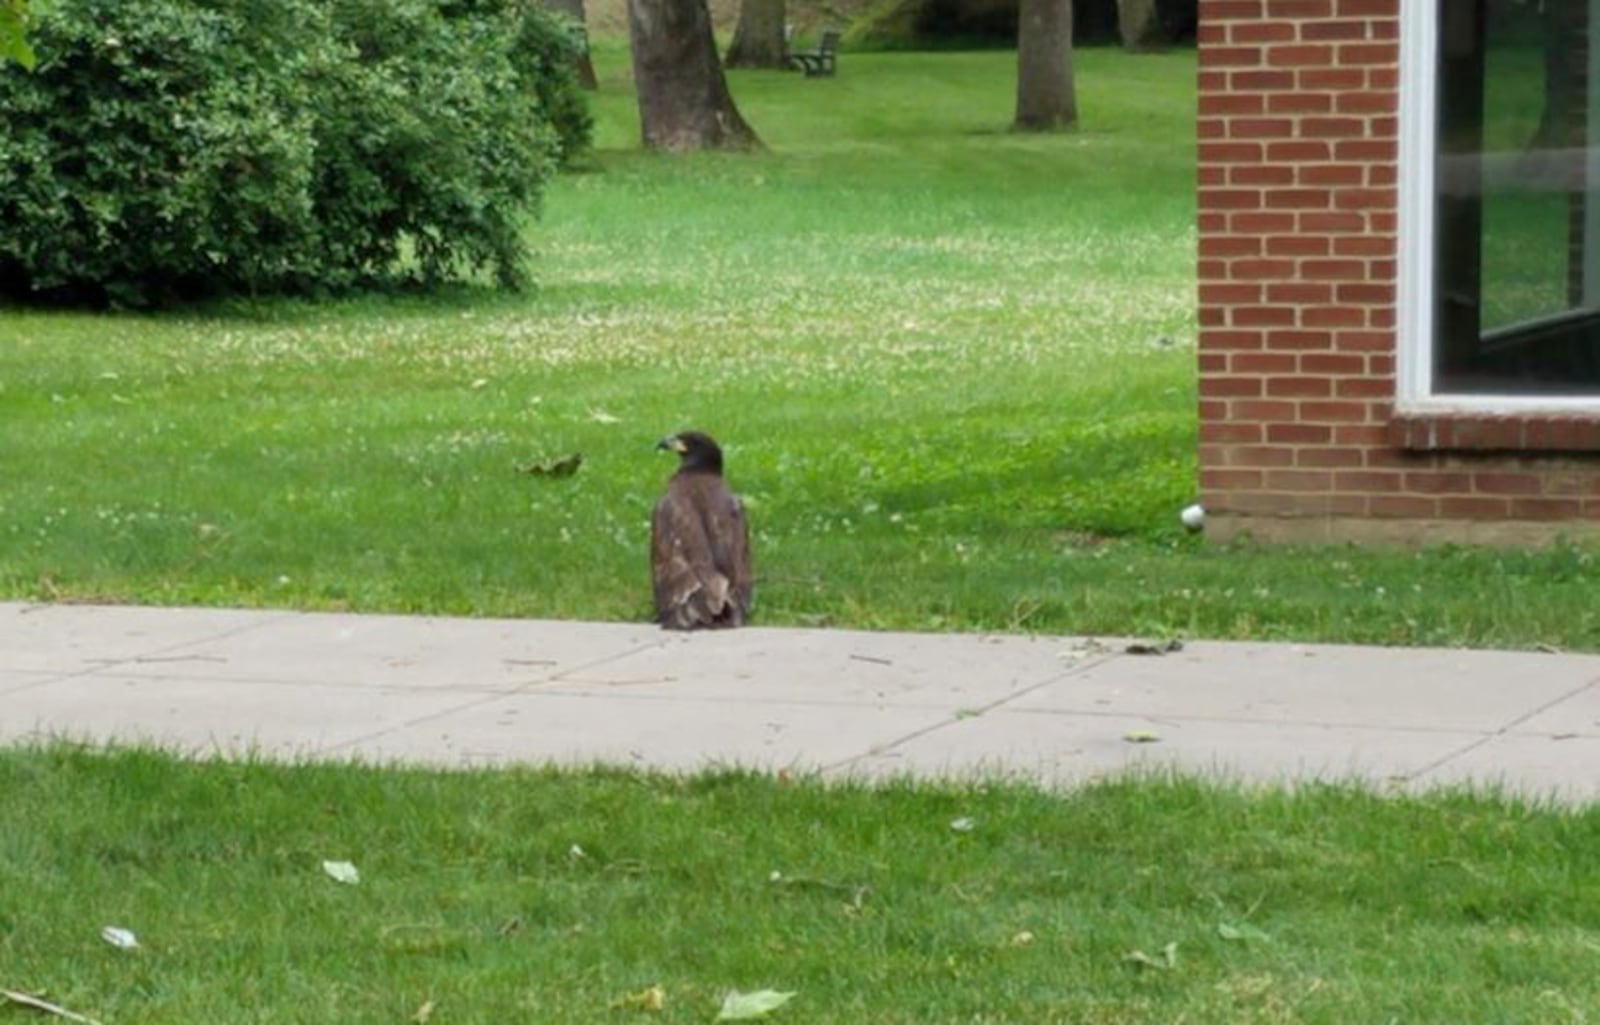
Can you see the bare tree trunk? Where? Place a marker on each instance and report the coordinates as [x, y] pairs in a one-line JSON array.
[[758, 40], [1045, 97], [1139, 25], [684, 103], [584, 67]]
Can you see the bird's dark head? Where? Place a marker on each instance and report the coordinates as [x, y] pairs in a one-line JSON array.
[[696, 451]]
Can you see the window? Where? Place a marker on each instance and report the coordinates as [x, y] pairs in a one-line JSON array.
[[1501, 158]]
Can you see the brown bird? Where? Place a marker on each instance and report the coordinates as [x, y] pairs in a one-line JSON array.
[[699, 542]]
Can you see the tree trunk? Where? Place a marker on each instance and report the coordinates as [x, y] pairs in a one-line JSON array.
[[584, 67], [1139, 25], [758, 40], [684, 103], [1045, 98]]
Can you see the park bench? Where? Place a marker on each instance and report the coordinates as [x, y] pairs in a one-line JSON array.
[[821, 62]]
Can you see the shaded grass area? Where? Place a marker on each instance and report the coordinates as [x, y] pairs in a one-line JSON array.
[[953, 369], [532, 895]]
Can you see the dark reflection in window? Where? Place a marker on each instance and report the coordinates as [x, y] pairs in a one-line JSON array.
[[1518, 222]]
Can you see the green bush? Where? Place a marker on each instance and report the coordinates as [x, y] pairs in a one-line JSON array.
[[173, 149]]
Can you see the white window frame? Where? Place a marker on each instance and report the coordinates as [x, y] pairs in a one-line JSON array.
[[1419, 52]]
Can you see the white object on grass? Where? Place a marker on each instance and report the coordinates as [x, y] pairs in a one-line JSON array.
[[1193, 516], [738, 1006], [341, 872], [117, 936]]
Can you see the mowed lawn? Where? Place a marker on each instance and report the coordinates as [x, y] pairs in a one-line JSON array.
[[530, 896], [953, 369]]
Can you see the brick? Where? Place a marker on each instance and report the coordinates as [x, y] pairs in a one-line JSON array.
[[1364, 341], [1371, 481], [1213, 175], [1332, 411], [1312, 55], [1299, 434], [1300, 293], [1230, 480], [1332, 79], [1260, 457], [1261, 222], [1365, 388], [1230, 433], [1261, 81], [1229, 199], [1223, 104], [1297, 199], [1262, 363], [1229, 56], [1262, 316], [1365, 245], [1334, 316], [1299, 8], [1229, 152], [1299, 341], [1334, 270], [1331, 128], [1373, 294], [1402, 507], [1332, 174], [1229, 293], [1263, 175], [1262, 32], [1383, 9], [1439, 483], [1229, 387], [1297, 245], [1368, 102], [1366, 151], [1356, 54], [1328, 458], [1365, 199], [1299, 480], [1318, 222], [1546, 508], [1212, 363], [1261, 269], [1299, 151], [1230, 245], [1260, 128], [1494, 482], [1229, 10], [1332, 364], [1230, 340], [1263, 410], [1477, 508], [1299, 387], [1333, 31], [1300, 102]]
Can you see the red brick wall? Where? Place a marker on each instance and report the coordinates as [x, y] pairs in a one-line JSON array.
[[1298, 264]]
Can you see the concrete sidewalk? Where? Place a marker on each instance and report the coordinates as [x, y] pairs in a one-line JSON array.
[[459, 692]]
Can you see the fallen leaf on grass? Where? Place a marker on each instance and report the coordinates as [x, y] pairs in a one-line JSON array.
[[1141, 737], [1240, 932], [1166, 962], [1023, 939], [652, 999], [122, 939], [555, 469], [738, 1006], [46, 1006], [342, 872], [423, 1013]]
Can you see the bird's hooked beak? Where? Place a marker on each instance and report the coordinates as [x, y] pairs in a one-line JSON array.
[[673, 444]]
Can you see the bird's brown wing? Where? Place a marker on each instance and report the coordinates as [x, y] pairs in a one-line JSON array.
[[687, 535]]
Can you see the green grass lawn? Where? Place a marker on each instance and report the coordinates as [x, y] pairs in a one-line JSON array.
[[528, 896], [953, 369]]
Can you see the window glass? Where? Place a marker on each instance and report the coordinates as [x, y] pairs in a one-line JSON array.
[[1517, 263]]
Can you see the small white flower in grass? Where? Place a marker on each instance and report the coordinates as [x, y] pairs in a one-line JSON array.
[[964, 824]]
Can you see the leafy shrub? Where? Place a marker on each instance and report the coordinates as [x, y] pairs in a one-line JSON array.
[[169, 149]]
